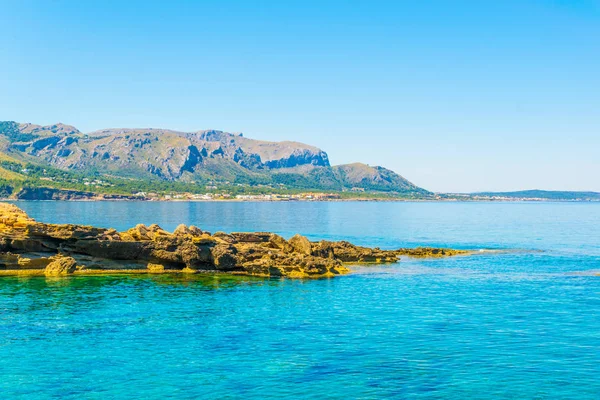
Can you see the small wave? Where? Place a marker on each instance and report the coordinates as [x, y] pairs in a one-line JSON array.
[[502, 251], [591, 272]]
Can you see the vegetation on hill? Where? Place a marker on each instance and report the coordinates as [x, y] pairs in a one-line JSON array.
[[10, 129]]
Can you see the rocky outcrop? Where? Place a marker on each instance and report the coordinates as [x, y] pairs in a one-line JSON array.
[[55, 250], [300, 244]]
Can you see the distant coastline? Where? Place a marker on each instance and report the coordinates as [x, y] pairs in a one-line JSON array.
[[52, 194]]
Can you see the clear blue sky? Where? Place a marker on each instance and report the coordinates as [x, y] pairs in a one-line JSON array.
[[453, 95]]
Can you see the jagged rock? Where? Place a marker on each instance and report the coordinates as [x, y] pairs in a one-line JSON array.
[[111, 234], [166, 257], [347, 252], [143, 232], [323, 249], [181, 229], [300, 244], [205, 239], [185, 230], [155, 231], [61, 266], [225, 257], [225, 237], [195, 231], [195, 256], [278, 242]]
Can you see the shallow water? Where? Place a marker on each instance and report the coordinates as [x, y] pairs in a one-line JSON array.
[[521, 324]]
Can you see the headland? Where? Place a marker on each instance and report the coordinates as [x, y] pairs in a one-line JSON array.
[[29, 247]]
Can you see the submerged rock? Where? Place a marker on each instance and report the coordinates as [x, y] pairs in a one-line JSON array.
[[58, 249], [430, 252]]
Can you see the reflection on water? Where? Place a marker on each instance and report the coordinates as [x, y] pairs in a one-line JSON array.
[[85, 285]]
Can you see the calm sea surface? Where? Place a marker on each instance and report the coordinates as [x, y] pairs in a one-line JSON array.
[[520, 324]]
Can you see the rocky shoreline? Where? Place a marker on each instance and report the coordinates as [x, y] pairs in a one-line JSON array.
[[28, 247]]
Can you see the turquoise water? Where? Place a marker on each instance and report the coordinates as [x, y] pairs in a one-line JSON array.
[[523, 324]]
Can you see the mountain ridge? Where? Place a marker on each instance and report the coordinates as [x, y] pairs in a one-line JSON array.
[[203, 156]]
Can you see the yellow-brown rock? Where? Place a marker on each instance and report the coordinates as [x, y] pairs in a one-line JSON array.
[[185, 230], [300, 244], [156, 268], [26, 244], [33, 263], [61, 266]]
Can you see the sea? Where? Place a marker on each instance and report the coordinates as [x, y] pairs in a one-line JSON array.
[[519, 319]]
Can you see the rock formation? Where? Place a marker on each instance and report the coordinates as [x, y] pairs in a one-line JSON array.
[[35, 248]]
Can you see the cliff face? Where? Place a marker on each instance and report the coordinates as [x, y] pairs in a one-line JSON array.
[[266, 154], [161, 153], [28, 246], [172, 156]]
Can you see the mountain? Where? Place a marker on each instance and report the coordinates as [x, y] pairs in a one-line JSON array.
[[191, 158]]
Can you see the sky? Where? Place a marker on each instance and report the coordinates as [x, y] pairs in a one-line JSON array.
[[456, 96]]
